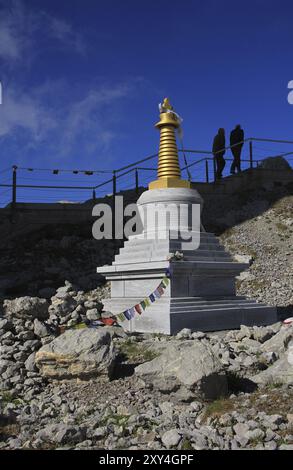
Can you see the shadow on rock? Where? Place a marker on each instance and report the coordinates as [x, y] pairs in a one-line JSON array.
[[238, 384]]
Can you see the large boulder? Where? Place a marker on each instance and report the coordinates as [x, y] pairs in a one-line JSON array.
[[26, 307], [275, 163], [61, 433], [190, 365], [279, 342], [83, 354], [281, 372]]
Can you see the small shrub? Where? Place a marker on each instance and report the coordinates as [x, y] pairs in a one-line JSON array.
[[136, 352], [218, 408]]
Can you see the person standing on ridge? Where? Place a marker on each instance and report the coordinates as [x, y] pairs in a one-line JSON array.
[[219, 145], [236, 143]]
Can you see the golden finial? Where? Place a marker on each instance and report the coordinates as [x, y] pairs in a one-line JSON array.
[[167, 104], [169, 175]]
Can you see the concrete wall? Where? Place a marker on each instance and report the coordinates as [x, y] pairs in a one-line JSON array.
[[27, 217]]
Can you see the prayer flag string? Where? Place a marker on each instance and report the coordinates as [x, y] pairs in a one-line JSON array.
[[139, 308]]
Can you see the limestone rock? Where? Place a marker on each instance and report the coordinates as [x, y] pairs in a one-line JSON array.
[[30, 362], [243, 258], [40, 329], [93, 314], [81, 353], [171, 438], [184, 334], [188, 364], [280, 372], [61, 433], [279, 342], [32, 307]]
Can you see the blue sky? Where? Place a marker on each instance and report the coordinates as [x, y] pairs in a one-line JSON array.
[[82, 79]]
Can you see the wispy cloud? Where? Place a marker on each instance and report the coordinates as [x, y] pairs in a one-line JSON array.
[[23, 113], [87, 123], [20, 26], [57, 116], [48, 115]]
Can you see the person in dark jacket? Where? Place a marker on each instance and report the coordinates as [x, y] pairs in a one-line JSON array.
[[236, 143], [219, 145]]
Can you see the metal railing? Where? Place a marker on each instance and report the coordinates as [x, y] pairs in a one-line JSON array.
[[135, 173]]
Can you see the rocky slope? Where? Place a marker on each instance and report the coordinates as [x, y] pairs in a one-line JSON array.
[[267, 241], [102, 388]]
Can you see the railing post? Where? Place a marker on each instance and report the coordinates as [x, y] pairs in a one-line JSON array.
[[215, 170], [113, 204], [136, 180], [14, 169], [250, 154], [207, 171], [114, 183]]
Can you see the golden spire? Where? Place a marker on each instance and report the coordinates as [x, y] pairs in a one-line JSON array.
[[169, 175]]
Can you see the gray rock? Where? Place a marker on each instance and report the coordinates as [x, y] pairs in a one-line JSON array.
[[262, 334], [100, 432], [61, 434], [5, 324], [81, 353], [272, 445], [184, 334], [188, 364], [40, 329], [30, 363], [26, 335], [198, 335], [171, 438], [196, 406], [200, 441], [241, 429], [274, 420], [63, 291], [93, 314], [106, 314], [279, 341], [281, 372], [32, 307], [243, 258], [255, 434], [269, 357], [166, 407]]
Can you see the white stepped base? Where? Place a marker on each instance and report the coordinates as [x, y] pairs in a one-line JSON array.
[[201, 294], [170, 315]]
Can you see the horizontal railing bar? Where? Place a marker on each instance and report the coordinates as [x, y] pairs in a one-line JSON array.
[[136, 163], [272, 140]]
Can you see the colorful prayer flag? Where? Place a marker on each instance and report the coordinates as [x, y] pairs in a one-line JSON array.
[[165, 282], [138, 309], [157, 293], [108, 321], [152, 298], [147, 301], [127, 314], [143, 304], [121, 317], [132, 311]]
